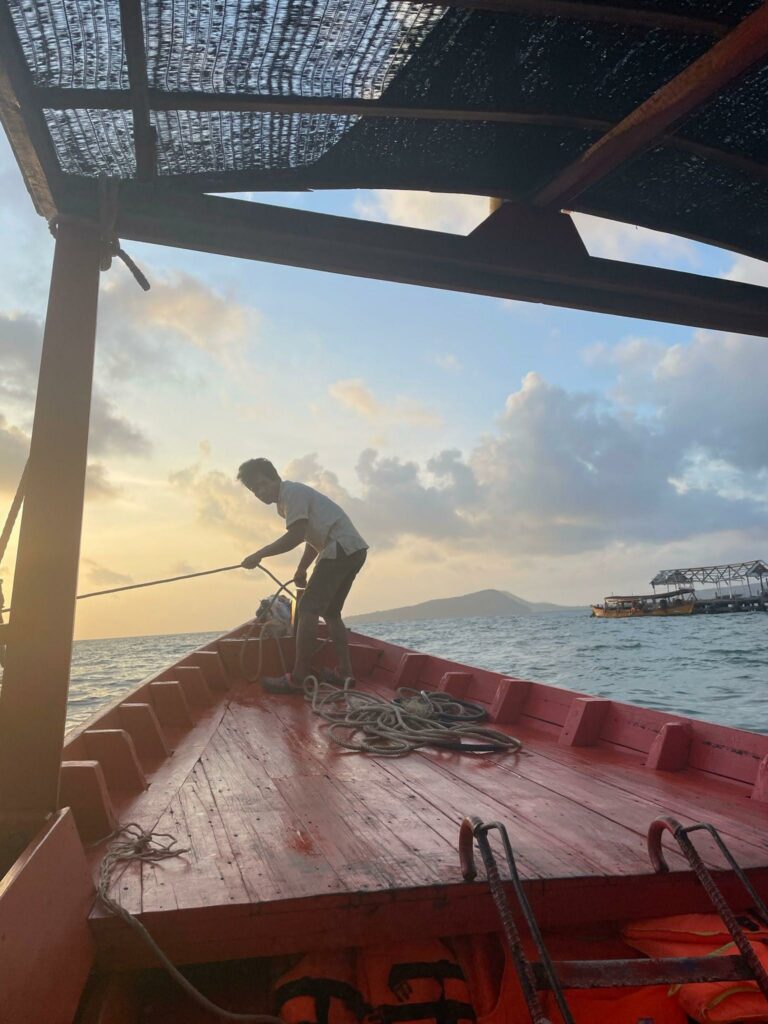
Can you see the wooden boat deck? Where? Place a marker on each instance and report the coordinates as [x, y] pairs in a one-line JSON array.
[[293, 843]]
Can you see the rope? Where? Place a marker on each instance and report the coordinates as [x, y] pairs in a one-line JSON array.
[[132, 843], [155, 583], [108, 208], [371, 724], [13, 512], [267, 630]]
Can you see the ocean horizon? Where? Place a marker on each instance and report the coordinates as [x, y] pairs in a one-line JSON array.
[[709, 667]]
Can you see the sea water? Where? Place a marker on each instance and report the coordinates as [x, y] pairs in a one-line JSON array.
[[710, 667]]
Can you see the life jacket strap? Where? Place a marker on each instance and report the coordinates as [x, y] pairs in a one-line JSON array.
[[443, 1011], [322, 990]]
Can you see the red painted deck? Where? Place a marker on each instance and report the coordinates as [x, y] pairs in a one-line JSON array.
[[295, 844]]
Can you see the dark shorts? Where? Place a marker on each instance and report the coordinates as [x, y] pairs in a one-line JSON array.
[[330, 584]]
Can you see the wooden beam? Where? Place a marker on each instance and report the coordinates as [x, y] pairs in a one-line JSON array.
[[573, 10], [120, 99], [433, 259], [136, 58], [699, 82], [24, 122], [33, 701]]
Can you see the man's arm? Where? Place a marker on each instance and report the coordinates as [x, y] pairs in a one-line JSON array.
[[291, 539], [300, 578]]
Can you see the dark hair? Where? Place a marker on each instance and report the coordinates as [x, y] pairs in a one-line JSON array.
[[254, 468]]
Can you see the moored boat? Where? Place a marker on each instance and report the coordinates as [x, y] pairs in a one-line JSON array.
[[674, 602]]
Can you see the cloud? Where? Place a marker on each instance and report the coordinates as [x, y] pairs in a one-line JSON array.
[[456, 214], [141, 331], [14, 447], [101, 576], [111, 433], [460, 214], [98, 486], [20, 345], [749, 271], [447, 361], [354, 394], [614, 240], [223, 504], [679, 452]]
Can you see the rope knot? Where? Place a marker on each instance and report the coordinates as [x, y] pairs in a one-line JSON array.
[[109, 191]]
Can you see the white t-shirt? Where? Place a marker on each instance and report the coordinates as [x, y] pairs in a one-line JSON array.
[[328, 525]]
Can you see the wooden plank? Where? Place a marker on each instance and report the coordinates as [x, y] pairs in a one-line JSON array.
[[433, 259], [24, 122], [140, 721], [83, 788], [333, 921], [47, 946], [682, 793], [729, 58], [584, 722], [33, 704], [136, 59], [760, 788], [509, 701], [669, 751], [115, 752], [633, 811]]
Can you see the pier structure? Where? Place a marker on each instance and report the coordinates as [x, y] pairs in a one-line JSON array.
[[738, 586]]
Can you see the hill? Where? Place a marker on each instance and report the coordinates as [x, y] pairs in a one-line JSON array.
[[481, 604]]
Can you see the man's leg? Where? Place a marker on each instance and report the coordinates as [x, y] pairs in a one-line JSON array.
[[306, 636], [336, 628], [338, 633]]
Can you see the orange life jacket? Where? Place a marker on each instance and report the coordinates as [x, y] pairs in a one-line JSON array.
[[706, 935], [649, 1005], [413, 982], [321, 989]]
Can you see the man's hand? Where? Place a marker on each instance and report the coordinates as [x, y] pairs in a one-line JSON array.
[[300, 579], [251, 561]]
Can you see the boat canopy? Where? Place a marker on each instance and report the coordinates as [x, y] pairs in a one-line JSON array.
[[645, 111], [728, 573], [683, 592]]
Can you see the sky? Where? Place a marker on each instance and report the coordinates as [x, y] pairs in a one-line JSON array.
[[476, 442]]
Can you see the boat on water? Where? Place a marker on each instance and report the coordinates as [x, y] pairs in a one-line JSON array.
[[674, 602], [203, 851], [738, 587]]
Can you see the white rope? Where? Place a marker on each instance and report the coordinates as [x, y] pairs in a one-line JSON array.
[[132, 843], [390, 728]]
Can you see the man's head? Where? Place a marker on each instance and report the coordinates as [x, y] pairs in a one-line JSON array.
[[261, 478]]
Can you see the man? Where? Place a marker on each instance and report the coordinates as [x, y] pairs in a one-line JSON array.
[[328, 536]]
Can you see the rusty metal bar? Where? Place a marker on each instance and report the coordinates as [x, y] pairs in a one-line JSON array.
[[630, 973], [700, 81], [473, 828], [33, 702], [702, 872]]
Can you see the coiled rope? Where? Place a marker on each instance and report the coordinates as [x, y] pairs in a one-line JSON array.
[[371, 724], [132, 843]]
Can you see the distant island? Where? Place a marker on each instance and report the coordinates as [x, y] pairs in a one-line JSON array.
[[482, 604]]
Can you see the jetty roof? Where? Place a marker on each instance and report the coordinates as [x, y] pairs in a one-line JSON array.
[[712, 573], [646, 111]]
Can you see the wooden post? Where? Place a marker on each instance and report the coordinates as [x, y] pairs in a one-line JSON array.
[[33, 702]]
